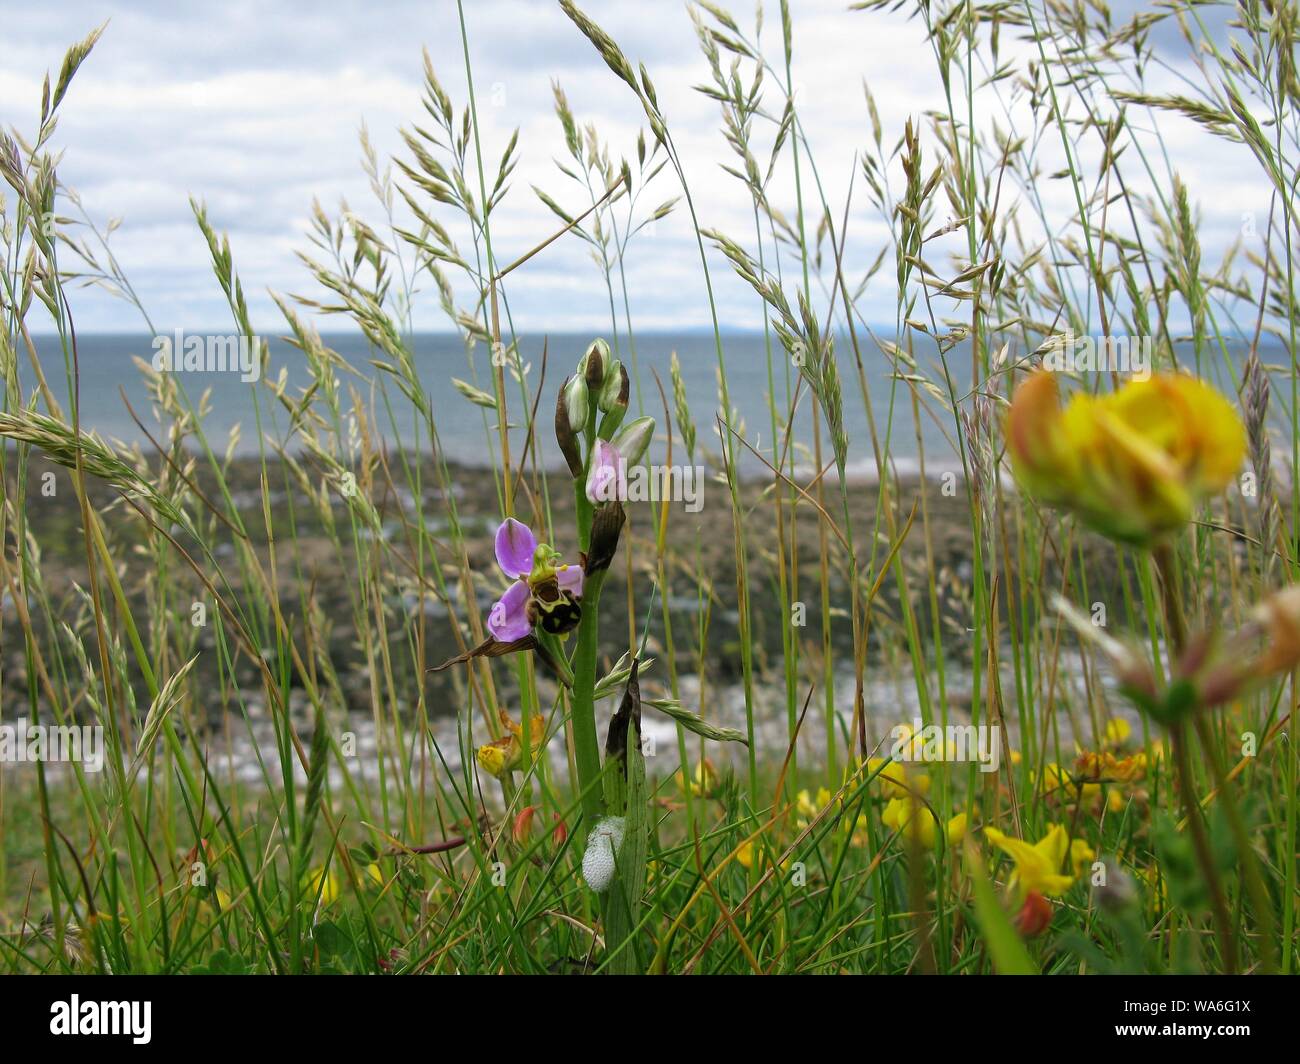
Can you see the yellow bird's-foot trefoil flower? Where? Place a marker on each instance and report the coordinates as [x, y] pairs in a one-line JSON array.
[[916, 820], [910, 815], [318, 884], [1132, 464], [1038, 866], [504, 755]]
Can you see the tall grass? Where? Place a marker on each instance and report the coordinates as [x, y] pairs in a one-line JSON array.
[[175, 594]]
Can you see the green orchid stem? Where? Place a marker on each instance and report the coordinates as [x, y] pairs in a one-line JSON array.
[[586, 744], [1176, 626]]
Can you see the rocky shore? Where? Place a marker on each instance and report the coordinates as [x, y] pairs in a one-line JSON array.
[[317, 575]]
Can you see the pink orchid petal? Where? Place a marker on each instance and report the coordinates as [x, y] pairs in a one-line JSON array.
[[571, 580], [604, 481], [508, 619], [515, 546]]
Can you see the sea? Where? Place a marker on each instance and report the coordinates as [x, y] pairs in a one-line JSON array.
[[110, 379]]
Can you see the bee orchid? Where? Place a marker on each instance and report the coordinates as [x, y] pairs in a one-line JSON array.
[[544, 592]]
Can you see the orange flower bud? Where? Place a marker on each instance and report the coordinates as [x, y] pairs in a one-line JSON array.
[[1035, 915], [523, 826]]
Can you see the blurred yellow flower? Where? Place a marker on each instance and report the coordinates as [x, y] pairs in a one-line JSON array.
[[1107, 767], [893, 779], [1081, 856], [1038, 867], [1055, 782], [222, 900], [1157, 890], [322, 883], [909, 814], [916, 820], [1132, 464], [704, 782], [808, 808], [956, 830], [1117, 731]]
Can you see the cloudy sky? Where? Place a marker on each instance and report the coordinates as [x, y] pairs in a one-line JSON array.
[[255, 108]]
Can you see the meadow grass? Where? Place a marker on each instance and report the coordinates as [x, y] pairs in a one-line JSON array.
[[1172, 790]]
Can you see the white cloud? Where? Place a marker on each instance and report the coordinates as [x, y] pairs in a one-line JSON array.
[[255, 109]]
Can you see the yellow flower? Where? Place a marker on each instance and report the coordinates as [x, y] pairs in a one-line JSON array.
[[1054, 782], [1132, 464], [917, 821], [1157, 890], [906, 813], [748, 853], [807, 808], [322, 883], [1038, 867], [504, 755], [493, 757], [1117, 731], [222, 900], [704, 782], [536, 729], [1106, 766], [1081, 856], [956, 830], [895, 781], [1115, 800]]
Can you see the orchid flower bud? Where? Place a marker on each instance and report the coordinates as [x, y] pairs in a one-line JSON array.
[[565, 433], [613, 400], [614, 388], [594, 362], [575, 402], [633, 442]]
